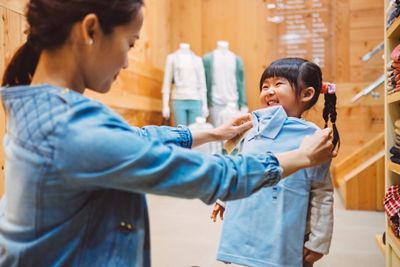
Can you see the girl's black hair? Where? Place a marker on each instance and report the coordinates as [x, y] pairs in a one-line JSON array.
[[301, 74], [50, 22]]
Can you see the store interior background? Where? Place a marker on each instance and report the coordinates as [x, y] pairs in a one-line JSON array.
[[338, 33]]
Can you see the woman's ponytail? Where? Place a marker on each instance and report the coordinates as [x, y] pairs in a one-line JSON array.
[[329, 112], [22, 65]]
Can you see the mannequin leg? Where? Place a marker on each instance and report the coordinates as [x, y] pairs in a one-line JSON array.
[[180, 112], [194, 110], [215, 110]]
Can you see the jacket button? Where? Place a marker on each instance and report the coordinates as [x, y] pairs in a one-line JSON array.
[[126, 226]]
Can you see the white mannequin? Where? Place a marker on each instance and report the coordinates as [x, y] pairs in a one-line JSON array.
[[223, 47], [187, 71]]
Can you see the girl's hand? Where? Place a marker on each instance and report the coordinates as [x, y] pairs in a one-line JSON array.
[[311, 256], [217, 209], [234, 128]]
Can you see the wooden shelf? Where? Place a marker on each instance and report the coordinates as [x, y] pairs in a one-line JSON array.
[[393, 240], [394, 167], [391, 250], [393, 98], [379, 243], [394, 30]]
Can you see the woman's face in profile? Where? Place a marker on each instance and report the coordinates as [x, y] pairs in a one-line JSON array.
[[111, 54]]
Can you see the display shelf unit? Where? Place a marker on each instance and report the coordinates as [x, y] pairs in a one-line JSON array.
[[379, 242], [392, 113]]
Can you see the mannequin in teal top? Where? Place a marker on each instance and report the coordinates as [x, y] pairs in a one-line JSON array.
[[224, 80]]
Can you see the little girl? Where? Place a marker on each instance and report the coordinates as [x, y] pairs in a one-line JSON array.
[[289, 224]]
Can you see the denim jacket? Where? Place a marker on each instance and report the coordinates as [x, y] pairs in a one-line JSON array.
[[76, 174]]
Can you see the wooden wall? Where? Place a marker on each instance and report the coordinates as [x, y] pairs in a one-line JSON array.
[[12, 25], [358, 28]]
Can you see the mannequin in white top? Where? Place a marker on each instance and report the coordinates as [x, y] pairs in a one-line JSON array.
[[225, 82], [189, 96]]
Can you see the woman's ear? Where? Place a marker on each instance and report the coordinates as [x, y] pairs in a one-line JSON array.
[[89, 28], [307, 94]]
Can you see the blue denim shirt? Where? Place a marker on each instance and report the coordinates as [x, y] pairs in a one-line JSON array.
[[76, 174], [267, 229]]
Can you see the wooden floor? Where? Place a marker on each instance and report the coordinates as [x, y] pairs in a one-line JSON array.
[[182, 235]]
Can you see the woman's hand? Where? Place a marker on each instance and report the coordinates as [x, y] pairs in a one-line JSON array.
[[229, 130], [234, 128], [318, 148], [218, 209], [314, 150]]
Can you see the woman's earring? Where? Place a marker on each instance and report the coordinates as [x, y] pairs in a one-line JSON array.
[[89, 42]]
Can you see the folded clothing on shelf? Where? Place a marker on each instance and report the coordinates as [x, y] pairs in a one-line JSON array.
[[393, 13], [395, 150], [391, 204]]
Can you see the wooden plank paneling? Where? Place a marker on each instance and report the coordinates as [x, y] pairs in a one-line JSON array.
[[17, 6], [341, 53], [366, 18], [155, 36], [244, 27], [361, 191], [366, 4], [2, 40], [12, 24], [189, 29]]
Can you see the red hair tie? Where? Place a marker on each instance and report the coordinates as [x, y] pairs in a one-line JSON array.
[[328, 88]]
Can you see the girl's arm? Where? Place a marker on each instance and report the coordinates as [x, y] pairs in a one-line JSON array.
[[320, 216]]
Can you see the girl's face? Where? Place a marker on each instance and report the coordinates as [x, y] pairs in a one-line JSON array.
[[278, 91]]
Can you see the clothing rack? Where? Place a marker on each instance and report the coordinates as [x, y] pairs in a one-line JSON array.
[[375, 84], [373, 52]]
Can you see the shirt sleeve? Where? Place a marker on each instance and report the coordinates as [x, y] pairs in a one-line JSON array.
[[95, 150], [320, 216], [180, 136]]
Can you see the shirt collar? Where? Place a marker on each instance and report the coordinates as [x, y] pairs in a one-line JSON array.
[[268, 122]]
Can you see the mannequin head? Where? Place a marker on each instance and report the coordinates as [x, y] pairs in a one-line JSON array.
[[223, 45], [184, 46]]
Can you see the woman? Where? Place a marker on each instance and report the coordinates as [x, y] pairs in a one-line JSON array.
[[76, 173]]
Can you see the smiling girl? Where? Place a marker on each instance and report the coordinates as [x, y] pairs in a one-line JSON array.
[[271, 227]]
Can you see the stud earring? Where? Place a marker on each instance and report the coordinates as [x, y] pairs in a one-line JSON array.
[[89, 42]]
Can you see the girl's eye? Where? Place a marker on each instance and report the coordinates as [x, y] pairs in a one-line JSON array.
[[264, 88], [279, 83]]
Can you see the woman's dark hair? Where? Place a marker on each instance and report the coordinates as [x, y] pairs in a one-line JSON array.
[[301, 74], [50, 23]]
